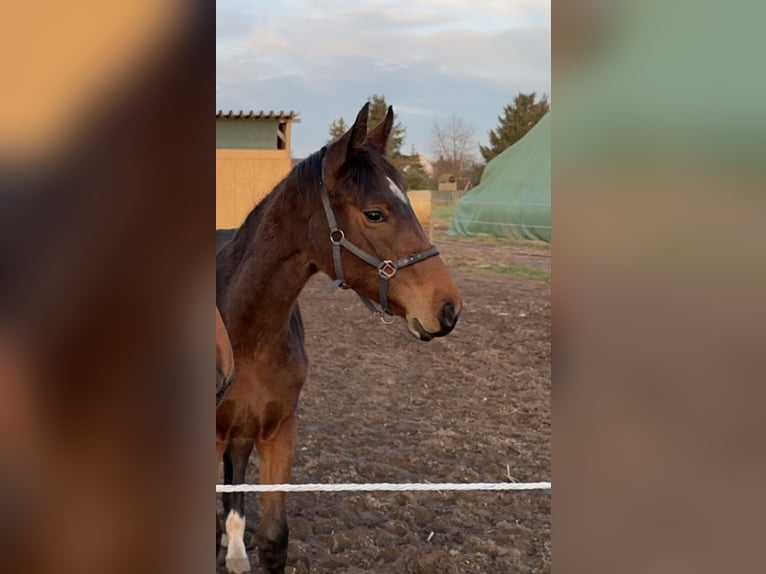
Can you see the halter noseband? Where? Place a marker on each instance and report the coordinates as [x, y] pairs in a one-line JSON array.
[[386, 268]]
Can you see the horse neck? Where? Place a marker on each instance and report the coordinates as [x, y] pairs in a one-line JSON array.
[[270, 265]]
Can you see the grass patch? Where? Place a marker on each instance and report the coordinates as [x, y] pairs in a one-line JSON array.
[[494, 240], [522, 271], [443, 211]]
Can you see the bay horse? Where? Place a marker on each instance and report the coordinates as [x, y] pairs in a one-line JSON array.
[[341, 211]]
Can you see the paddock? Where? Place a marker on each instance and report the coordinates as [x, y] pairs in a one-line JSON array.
[[379, 406]]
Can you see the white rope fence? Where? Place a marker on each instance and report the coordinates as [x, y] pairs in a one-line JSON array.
[[385, 487]]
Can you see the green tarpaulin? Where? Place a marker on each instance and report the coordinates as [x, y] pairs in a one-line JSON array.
[[514, 196]]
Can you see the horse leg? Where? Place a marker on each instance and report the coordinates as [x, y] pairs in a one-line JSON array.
[[228, 476], [236, 556], [276, 458], [219, 448]]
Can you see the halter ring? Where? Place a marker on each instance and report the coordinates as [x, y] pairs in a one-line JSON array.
[[341, 237], [383, 318], [387, 269]]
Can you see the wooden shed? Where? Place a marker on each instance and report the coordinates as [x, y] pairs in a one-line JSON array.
[[447, 182], [252, 155]]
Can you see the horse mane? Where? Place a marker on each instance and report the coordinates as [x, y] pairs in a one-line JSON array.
[[357, 172], [235, 244]]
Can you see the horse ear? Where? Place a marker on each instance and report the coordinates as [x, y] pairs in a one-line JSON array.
[[378, 137], [359, 130], [349, 143]]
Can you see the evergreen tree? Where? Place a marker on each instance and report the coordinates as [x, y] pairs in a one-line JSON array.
[[337, 128], [378, 110], [416, 177], [517, 119]]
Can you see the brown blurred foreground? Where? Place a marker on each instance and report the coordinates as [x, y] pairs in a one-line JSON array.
[[107, 199]]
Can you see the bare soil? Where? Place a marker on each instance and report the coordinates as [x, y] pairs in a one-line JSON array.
[[380, 406]]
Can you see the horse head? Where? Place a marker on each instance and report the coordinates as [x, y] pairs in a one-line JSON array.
[[379, 248]]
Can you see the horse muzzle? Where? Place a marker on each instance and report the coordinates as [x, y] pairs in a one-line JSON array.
[[447, 317]]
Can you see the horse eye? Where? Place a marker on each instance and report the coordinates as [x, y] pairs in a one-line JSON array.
[[374, 216]]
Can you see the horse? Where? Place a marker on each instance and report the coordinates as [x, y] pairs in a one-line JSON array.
[[342, 211]]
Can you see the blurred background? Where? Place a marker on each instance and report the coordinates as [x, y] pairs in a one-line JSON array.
[[106, 253], [658, 196]]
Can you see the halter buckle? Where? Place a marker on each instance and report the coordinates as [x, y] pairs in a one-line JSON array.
[[339, 234], [387, 269]]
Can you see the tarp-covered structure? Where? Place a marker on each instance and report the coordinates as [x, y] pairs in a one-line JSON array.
[[513, 198]]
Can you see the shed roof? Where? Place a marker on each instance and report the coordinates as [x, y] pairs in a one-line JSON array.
[[257, 115]]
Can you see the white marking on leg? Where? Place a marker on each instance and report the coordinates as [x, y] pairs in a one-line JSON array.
[[400, 195], [236, 555]]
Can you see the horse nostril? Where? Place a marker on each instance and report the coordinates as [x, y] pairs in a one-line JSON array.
[[447, 316]]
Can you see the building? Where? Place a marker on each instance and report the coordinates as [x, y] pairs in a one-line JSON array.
[[447, 182], [252, 155]]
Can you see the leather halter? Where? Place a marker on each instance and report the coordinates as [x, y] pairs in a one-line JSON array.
[[386, 268]]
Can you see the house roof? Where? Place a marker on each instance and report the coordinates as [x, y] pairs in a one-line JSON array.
[[257, 115]]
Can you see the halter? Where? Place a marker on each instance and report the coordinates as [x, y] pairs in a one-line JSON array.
[[386, 268]]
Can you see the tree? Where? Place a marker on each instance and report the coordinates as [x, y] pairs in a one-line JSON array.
[[378, 111], [517, 119], [416, 177], [475, 172], [337, 128], [453, 144]]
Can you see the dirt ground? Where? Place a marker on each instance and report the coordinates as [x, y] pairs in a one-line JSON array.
[[380, 406]]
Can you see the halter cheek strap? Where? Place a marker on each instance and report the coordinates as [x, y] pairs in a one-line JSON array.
[[386, 268]]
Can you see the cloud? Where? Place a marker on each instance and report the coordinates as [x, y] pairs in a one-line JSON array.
[[431, 58]]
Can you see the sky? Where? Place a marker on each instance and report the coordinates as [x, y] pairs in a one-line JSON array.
[[431, 59]]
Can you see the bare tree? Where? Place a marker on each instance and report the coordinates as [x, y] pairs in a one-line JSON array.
[[453, 145]]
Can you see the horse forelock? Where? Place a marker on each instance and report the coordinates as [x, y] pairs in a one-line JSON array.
[[368, 174], [361, 173]]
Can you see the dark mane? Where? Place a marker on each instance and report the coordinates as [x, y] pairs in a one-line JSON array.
[[310, 169], [358, 173], [236, 241], [234, 244]]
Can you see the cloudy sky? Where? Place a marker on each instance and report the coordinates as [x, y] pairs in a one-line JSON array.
[[430, 58]]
